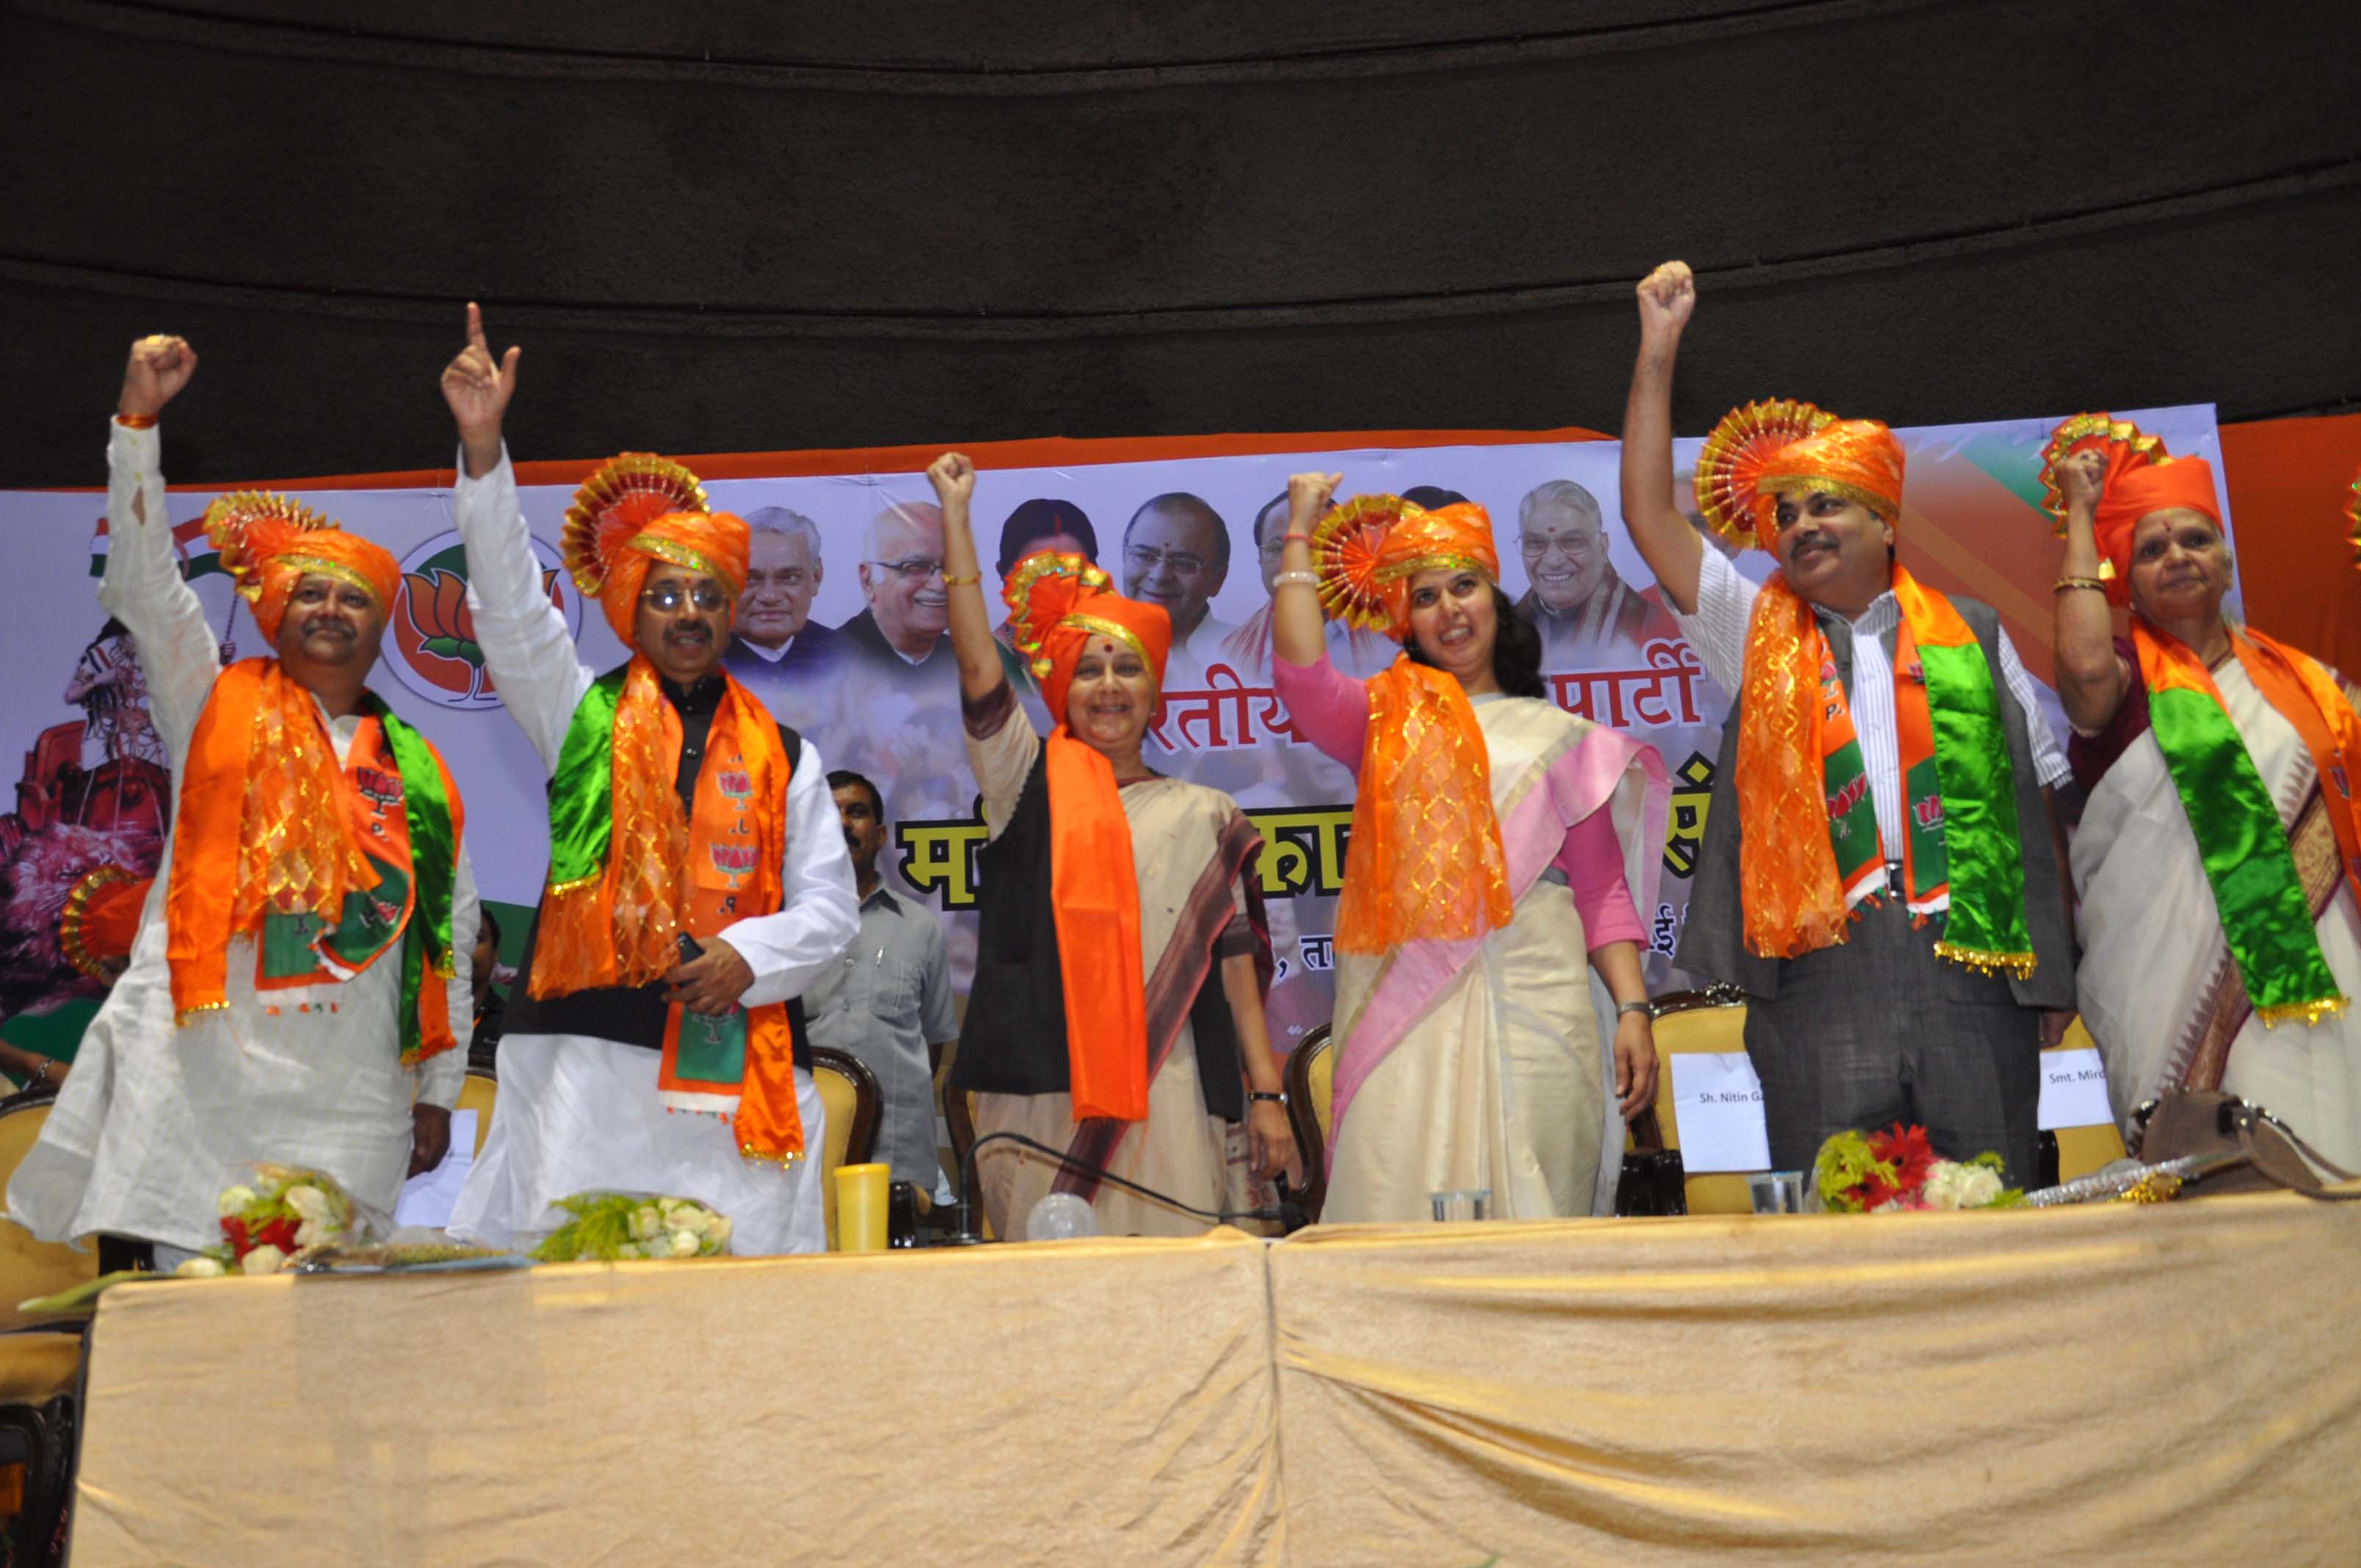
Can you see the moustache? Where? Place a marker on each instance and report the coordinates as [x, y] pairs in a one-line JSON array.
[[327, 626], [699, 633]]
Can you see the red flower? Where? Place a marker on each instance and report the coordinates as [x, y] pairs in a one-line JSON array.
[[1911, 1156], [279, 1233], [234, 1228]]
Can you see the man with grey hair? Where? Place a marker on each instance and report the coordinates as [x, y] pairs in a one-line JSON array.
[[775, 635], [1586, 615], [902, 578]]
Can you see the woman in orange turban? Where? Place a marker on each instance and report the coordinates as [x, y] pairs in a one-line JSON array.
[[1117, 1008], [1497, 839], [2219, 855]]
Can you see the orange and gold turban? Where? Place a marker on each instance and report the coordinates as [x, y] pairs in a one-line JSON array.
[[1368, 550], [1058, 602], [2141, 477], [1763, 451], [271, 543], [101, 920], [637, 509], [1426, 859]]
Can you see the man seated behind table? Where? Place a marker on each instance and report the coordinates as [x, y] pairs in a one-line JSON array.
[[888, 1000], [491, 1007]]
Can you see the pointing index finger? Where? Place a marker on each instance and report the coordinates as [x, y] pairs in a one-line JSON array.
[[476, 328]]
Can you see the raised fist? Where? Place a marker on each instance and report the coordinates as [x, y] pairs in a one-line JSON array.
[[477, 387], [159, 368], [2082, 478], [1667, 295], [1307, 496], [953, 477]]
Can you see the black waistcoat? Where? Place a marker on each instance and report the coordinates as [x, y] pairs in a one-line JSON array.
[[1014, 1038], [634, 1015]]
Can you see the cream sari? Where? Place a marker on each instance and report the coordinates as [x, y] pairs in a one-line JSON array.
[[2158, 990], [1478, 1063], [1190, 849]]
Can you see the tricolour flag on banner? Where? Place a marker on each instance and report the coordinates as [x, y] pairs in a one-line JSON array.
[[198, 557]]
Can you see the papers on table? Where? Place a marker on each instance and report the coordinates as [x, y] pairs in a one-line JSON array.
[[2074, 1090], [1717, 1106], [428, 1200]]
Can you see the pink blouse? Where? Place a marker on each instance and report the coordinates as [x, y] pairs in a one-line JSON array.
[[1331, 709]]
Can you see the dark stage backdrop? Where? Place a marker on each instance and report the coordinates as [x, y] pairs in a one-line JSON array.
[[740, 224]]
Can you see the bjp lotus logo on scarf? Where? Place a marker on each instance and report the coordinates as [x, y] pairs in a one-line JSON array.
[[733, 860], [430, 632], [1929, 811], [736, 783], [1848, 798]]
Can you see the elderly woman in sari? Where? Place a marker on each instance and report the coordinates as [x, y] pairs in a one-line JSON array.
[[2220, 853], [1117, 1006], [1496, 840]]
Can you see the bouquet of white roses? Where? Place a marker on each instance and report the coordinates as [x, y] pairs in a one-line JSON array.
[[285, 1213], [612, 1226]]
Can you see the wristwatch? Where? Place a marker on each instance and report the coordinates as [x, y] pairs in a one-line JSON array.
[[1623, 1007]]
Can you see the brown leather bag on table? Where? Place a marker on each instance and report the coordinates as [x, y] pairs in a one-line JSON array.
[[2263, 1153]]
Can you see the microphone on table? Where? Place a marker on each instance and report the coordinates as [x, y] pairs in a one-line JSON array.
[[1286, 1213]]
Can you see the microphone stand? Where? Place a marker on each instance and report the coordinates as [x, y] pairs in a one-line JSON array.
[[1287, 1213]]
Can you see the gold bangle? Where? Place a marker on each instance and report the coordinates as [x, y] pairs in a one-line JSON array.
[[2064, 582], [964, 579], [136, 421]]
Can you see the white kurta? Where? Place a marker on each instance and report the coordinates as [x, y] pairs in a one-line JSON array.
[[2152, 940], [155, 1119], [577, 1112]]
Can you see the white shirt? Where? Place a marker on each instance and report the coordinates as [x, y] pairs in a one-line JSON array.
[[1725, 606], [532, 656], [156, 1118], [768, 656]]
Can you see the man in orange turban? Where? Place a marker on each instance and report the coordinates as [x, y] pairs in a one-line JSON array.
[[1881, 870], [697, 882], [318, 911]]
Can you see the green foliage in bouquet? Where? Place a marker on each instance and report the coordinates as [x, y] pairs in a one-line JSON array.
[[618, 1226]]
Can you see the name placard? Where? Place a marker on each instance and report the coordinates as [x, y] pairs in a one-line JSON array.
[[1717, 1106]]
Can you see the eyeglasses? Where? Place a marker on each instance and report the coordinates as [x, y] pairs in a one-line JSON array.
[[918, 567], [669, 596], [1534, 549], [1144, 558]]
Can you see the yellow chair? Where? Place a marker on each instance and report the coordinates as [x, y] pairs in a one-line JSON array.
[[2083, 1150], [40, 1366], [849, 1092], [476, 1093], [1709, 1021], [29, 1268], [1310, 1085]]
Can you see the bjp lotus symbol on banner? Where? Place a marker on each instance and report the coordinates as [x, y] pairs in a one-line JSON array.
[[431, 634]]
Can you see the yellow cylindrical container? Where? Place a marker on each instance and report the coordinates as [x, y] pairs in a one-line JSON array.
[[860, 1207]]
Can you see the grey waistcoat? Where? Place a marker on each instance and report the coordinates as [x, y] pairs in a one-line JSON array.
[[1713, 943]]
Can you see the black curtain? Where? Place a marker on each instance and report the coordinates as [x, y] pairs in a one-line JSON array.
[[741, 226]]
